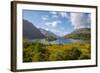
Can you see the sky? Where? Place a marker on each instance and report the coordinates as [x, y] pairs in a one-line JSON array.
[[58, 22]]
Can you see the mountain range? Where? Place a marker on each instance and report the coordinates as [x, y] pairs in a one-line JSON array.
[[82, 33], [32, 32], [47, 33]]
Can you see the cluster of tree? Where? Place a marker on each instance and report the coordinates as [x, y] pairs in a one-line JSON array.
[[50, 38]]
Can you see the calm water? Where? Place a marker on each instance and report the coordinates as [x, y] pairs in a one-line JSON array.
[[60, 41]]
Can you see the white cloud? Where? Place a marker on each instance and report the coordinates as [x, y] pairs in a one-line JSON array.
[[53, 12], [47, 23], [58, 32], [57, 14], [46, 29], [63, 14], [53, 23], [80, 20], [53, 27], [44, 17]]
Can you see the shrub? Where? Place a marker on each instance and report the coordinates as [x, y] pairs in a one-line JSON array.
[[36, 52], [72, 54]]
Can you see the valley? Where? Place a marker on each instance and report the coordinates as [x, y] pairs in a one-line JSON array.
[[43, 45]]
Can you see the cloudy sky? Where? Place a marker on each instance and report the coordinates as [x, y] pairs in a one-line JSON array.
[[60, 23]]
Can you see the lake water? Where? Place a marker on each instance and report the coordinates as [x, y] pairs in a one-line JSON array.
[[60, 41]]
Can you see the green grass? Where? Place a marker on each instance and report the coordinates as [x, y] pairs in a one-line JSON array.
[[38, 52]]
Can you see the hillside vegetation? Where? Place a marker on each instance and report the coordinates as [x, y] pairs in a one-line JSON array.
[[81, 34], [36, 52]]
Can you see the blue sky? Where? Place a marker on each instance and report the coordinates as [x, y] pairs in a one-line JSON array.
[[60, 23]]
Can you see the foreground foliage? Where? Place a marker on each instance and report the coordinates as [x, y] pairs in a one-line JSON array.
[[37, 52]]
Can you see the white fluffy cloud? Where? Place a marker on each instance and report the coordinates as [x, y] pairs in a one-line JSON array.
[[80, 20], [57, 14], [44, 17], [53, 12], [53, 23], [63, 14]]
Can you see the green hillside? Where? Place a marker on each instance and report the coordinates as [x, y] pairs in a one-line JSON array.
[[82, 34]]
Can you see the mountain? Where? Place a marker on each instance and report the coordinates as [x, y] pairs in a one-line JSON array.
[[48, 33], [30, 31], [82, 34]]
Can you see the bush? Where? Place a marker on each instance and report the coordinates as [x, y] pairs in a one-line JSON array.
[[36, 52], [55, 56], [72, 54]]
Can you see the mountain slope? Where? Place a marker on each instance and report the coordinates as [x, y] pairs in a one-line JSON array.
[[48, 33], [30, 31], [82, 34]]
